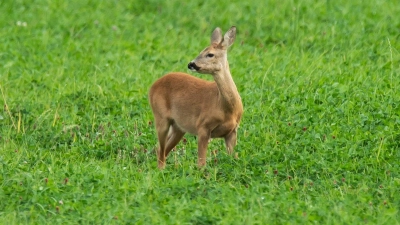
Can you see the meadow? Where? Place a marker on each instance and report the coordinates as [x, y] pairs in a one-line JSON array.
[[318, 143]]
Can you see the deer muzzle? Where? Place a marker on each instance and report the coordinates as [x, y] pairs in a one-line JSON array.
[[193, 67]]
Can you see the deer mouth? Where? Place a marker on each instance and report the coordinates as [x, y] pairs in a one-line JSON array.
[[193, 67]]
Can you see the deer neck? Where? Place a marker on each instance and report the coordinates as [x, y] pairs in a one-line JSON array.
[[229, 95]]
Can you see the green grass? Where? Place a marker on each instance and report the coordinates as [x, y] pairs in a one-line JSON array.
[[319, 141]]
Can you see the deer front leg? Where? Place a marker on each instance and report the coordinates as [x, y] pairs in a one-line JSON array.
[[203, 139]]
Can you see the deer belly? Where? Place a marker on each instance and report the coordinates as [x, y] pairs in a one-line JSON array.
[[186, 126], [223, 130]]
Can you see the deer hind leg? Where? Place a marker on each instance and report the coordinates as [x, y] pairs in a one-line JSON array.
[[162, 127], [174, 136], [230, 141]]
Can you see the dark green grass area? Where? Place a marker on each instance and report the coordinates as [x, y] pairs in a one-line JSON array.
[[319, 141]]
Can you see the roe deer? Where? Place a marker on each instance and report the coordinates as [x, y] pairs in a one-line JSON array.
[[183, 103]]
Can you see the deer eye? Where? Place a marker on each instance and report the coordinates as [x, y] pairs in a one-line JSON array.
[[210, 55]]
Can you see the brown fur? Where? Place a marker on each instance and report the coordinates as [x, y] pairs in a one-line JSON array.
[[183, 103]]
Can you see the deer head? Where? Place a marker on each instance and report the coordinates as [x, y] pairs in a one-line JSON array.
[[214, 58]]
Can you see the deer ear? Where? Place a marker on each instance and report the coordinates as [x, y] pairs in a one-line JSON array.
[[216, 36], [229, 37]]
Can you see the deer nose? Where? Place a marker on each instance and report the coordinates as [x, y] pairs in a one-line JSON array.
[[192, 66]]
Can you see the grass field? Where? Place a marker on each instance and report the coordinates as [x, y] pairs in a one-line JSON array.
[[319, 141]]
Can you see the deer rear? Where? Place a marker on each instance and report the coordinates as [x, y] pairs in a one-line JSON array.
[[182, 103]]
